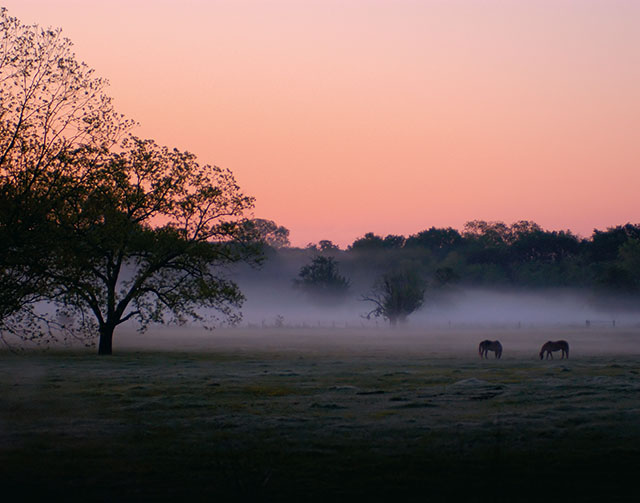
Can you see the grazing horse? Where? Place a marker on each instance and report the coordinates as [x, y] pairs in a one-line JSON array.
[[550, 346], [487, 345]]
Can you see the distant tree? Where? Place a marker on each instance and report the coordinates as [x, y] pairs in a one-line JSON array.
[[605, 245], [438, 241], [487, 244], [369, 242], [268, 232], [396, 295], [489, 234], [322, 280], [327, 246], [544, 246], [392, 241], [523, 228], [629, 255], [623, 274], [445, 276], [372, 242]]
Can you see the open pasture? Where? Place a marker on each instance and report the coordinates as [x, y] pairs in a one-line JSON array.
[[323, 415]]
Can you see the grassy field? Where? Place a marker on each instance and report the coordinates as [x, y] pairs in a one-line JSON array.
[[325, 416]]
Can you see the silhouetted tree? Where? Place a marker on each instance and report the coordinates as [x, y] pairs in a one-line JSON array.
[[137, 232], [50, 104], [322, 280], [393, 241], [544, 246], [438, 241], [268, 232], [605, 245], [396, 295], [623, 274], [144, 238], [370, 242], [489, 234], [327, 246]]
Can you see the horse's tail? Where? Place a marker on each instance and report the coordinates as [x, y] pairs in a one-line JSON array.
[[480, 349]]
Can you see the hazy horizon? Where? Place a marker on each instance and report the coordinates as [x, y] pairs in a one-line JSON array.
[[386, 117]]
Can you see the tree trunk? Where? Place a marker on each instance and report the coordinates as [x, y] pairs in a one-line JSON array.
[[105, 345]]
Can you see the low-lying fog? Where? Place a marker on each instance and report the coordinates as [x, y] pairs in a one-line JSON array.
[[473, 308], [452, 324], [287, 321]]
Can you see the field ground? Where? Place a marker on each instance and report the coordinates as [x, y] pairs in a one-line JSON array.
[[325, 416]]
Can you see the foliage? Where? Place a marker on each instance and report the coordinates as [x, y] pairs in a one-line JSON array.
[[372, 242], [438, 241], [107, 226], [268, 232], [49, 105], [322, 280], [495, 253], [396, 295], [605, 245], [146, 233], [326, 246]]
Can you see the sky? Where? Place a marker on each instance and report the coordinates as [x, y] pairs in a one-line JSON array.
[[344, 117]]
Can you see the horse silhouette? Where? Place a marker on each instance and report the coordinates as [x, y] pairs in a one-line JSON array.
[[487, 345], [551, 346]]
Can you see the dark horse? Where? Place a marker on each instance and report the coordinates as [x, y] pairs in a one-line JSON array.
[[487, 345], [550, 346]]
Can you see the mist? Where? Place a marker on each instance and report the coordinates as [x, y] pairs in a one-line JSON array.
[[464, 307]]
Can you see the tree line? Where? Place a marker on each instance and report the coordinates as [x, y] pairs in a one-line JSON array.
[[497, 254], [396, 273]]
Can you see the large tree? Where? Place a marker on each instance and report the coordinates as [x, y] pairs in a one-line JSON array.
[[49, 104], [106, 226], [146, 233]]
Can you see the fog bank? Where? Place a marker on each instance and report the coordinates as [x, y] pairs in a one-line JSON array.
[[273, 307]]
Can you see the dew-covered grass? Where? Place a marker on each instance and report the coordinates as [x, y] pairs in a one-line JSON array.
[[319, 422]]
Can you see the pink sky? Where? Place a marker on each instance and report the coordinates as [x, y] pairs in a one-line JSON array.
[[344, 117]]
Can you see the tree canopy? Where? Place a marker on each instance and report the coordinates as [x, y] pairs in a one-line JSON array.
[[104, 225], [322, 280], [50, 104], [397, 294]]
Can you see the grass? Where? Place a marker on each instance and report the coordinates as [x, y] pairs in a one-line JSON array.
[[285, 426]]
